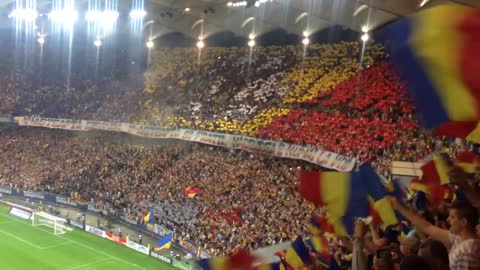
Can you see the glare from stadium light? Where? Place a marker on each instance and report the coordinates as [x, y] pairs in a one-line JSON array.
[[65, 16], [200, 44], [106, 17], [229, 4], [251, 36], [150, 44], [137, 13], [365, 37], [187, 9], [110, 16], [93, 15], [257, 3], [251, 43], [364, 29], [24, 14], [41, 40], [97, 43], [305, 33], [306, 41]]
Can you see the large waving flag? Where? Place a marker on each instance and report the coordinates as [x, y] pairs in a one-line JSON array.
[[438, 53], [165, 243], [344, 195]]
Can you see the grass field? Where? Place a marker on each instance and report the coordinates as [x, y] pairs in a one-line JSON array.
[[23, 247]]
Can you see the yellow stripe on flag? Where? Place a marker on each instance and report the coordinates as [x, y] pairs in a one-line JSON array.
[[442, 60]]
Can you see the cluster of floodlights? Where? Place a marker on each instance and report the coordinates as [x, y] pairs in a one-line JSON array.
[[70, 15]]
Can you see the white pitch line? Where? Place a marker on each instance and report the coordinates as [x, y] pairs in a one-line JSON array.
[[89, 264], [21, 239], [106, 254], [58, 245], [80, 244]]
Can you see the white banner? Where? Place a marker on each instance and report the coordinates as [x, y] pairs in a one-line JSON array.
[[138, 247], [5, 190], [20, 213], [95, 231], [161, 257], [34, 195], [322, 158]]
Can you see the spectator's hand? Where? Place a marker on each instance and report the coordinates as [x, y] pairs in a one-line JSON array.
[[394, 202], [360, 229]]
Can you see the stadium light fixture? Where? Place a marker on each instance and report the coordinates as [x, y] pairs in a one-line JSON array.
[[137, 13], [251, 43], [306, 41], [97, 43], [200, 44], [251, 36], [364, 29], [65, 16], [257, 3], [305, 34], [150, 44], [365, 37], [229, 4], [187, 9], [41, 40], [24, 14]]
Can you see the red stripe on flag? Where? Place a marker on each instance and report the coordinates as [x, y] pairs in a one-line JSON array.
[[310, 187], [430, 174], [456, 129]]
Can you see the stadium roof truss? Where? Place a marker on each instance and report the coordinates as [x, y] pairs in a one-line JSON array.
[[296, 16]]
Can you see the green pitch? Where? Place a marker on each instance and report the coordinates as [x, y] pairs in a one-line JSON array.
[[23, 247]]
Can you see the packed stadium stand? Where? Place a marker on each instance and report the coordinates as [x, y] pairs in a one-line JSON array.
[[329, 96]]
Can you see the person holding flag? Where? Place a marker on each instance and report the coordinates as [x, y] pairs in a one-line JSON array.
[[460, 239]]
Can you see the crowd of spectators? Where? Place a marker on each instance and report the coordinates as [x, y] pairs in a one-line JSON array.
[[331, 96], [442, 235], [245, 199]]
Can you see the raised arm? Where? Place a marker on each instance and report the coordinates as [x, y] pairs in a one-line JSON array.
[[421, 224]]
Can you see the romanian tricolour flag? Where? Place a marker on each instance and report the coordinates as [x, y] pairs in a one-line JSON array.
[[435, 172], [148, 218], [438, 53], [319, 225], [344, 196], [165, 243], [271, 266], [191, 192], [320, 246], [297, 255]]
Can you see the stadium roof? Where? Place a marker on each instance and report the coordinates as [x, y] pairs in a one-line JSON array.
[[295, 16], [287, 14]]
